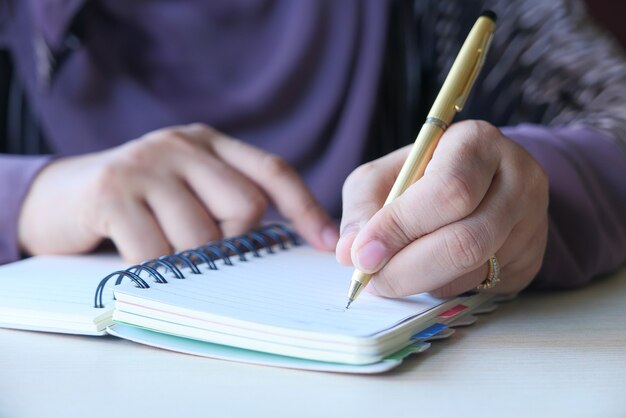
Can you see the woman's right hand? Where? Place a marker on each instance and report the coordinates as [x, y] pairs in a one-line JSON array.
[[172, 189]]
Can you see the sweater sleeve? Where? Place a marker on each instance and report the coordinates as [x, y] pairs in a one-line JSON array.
[[16, 176], [587, 210], [550, 66]]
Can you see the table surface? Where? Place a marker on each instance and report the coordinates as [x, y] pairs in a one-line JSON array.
[[544, 354]]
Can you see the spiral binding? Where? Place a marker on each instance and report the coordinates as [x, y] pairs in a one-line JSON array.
[[240, 246]]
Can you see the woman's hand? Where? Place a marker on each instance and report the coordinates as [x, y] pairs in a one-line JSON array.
[[172, 189], [482, 194]]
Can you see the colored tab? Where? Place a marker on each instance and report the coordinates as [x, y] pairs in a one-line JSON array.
[[468, 293], [416, 347], [453, 312], [442, 335], [429, 332]]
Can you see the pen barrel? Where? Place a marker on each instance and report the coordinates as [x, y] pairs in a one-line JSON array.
[[464, 71], [421, 152], [451, 99]]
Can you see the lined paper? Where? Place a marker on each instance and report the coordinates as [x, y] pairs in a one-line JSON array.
[[299, 289], [55, 291]]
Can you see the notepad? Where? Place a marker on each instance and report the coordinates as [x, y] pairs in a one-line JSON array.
[[265, 294], [55, 293]]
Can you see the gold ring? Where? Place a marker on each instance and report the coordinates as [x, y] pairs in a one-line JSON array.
[[493, 276]]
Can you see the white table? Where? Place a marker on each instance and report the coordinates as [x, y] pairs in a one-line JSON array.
[[549, 354]]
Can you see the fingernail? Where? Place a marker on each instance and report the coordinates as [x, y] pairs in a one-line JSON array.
[[330, 236], [370, 256]]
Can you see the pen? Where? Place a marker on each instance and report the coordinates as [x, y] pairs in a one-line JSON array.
[[450, 100]]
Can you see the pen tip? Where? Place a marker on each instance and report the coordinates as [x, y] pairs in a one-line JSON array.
[[348, 305]]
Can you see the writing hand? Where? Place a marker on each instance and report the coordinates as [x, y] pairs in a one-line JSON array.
[[172, 189], [481, 194]]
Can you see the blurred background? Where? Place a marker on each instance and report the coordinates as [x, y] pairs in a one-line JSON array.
[[610, 14], [24, 133]]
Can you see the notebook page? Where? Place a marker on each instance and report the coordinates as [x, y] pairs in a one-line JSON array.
[[299, 289], [53, 291], [223, 352]]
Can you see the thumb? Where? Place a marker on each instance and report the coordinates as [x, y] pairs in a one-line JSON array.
[[388, 231], [364, 193], [456, 181]]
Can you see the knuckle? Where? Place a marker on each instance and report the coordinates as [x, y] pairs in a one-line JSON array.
[[481, 129], [200, 127], [456, 192], [477, 137], [372, 169], [359, 174], [207, 134], [532, 183], [364, 187], [540, 182], [108, 181], [356, 215], [251, 208], [136, 154], [349, 226], [465, 247], [365, 170], [276, 166], [311, 210], [397, 225], [167, 141], [257, 204]]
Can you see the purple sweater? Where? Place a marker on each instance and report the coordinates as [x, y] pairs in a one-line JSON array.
[[298, 79]]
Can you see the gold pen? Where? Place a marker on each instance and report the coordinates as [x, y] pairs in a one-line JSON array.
[[450, 100]]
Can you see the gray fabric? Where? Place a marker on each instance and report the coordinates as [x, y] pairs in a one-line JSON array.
[[549, 64]]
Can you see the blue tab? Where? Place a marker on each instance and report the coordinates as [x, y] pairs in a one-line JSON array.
[[468, 293], [429, 332]]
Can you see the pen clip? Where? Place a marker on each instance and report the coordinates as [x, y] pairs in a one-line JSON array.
[[481, 54]]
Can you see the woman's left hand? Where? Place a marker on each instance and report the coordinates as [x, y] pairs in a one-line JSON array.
[[482, 194]]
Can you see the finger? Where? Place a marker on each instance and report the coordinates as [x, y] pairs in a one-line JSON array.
[[363, 194], [464, 283], [183, 218], [522, 254], [451, 251], [523, 262], [136, 233], [471, 280], [457, 179], [232, 199], [284, 188], [229, 197], [522, 251]]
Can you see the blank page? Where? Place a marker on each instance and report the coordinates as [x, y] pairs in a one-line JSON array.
[[300, 289], [55, 293]]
